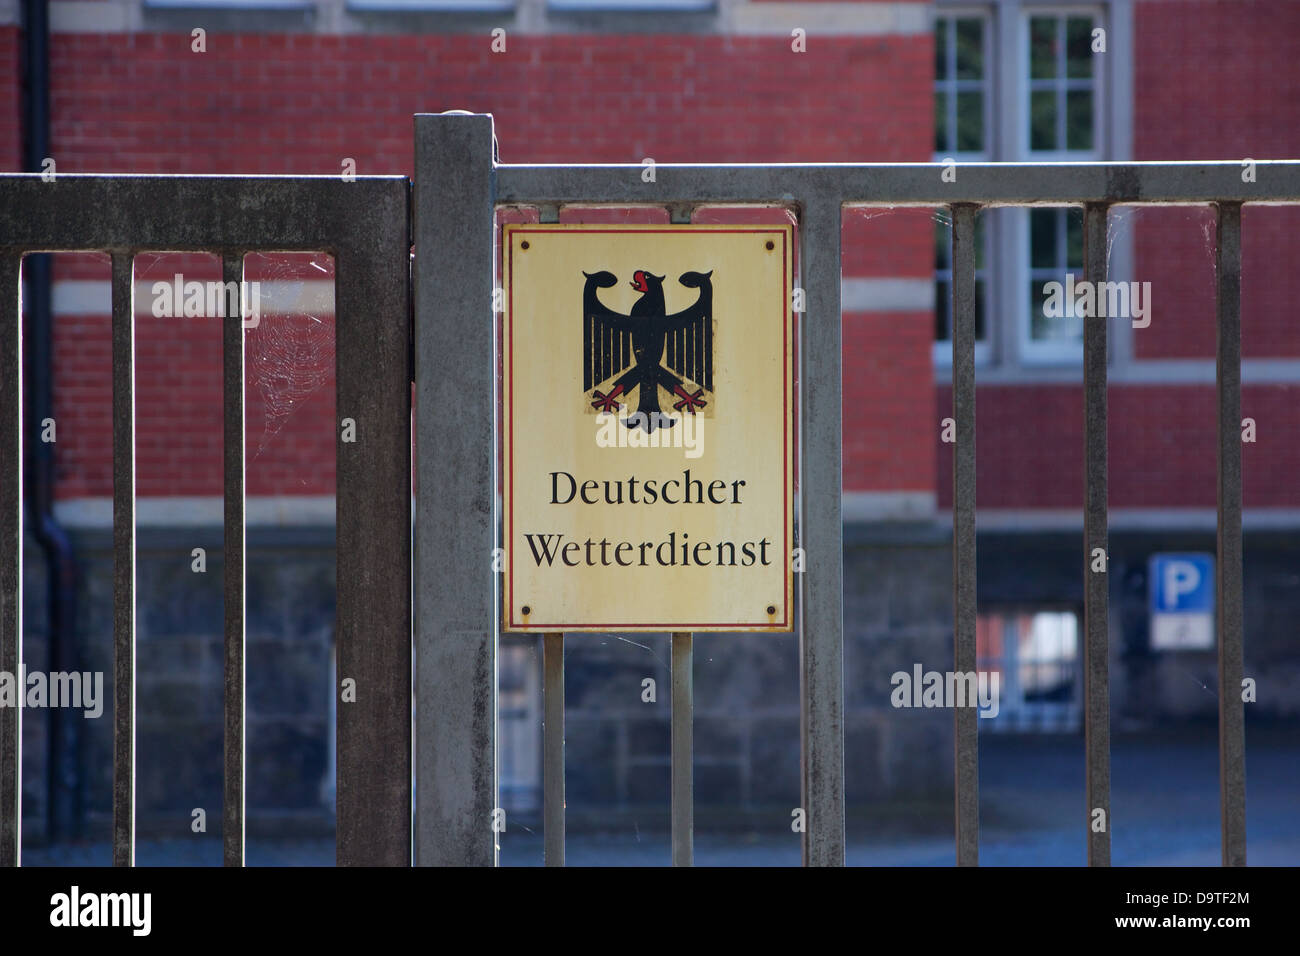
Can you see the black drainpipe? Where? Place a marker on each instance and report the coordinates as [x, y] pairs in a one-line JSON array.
[[63, 790]]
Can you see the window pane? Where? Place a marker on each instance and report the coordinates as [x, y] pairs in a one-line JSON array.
[[942, 245], [970, 122], [1042, 48], [970, 49], [1078, 119], [1040, 327], [941, 50], [1073, 237], [1042, 239], [942, 309], [1056, 329], [941, 143], [1078, 47], [1042, 119]]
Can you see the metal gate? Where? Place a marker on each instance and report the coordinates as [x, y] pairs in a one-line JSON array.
[[457, 187], [363, 224]]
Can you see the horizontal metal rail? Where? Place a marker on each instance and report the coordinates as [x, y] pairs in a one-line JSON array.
[[904, 184], [363, 224]]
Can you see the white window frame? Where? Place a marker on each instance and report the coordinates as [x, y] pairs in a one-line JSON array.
[[216, 6], [430, 6], [632, 6], [1023, 82], [1052, 351], [941, 349]]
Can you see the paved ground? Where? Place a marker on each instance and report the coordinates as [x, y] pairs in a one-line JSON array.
[[1165, 802]]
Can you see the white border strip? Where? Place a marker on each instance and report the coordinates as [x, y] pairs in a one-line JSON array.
[[838, 19], [316, 296], [527, 17], [200, 512], [1125, 519], [282, 296], [868, 506], [887, 295], [858, 507]]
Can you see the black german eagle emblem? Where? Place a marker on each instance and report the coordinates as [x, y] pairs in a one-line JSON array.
[[648, 348]]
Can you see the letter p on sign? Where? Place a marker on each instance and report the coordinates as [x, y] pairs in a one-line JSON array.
[[1180, 578]]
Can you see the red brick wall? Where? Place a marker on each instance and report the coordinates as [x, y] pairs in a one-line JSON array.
[[283, 103], [888, 369], [11, 101], [1217, 80], [1029, 447], [265, 103], [1174, 251], [888, 401]]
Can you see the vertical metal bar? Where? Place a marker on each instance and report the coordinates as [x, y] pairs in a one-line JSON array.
[[1232, 732], [456, 600], [11, 553], [123, 337], [373, 516], [553, 747], [965, 719], [1096, 600], [232, 361], [553, 664], [683, 712], [821, 633], [683, 749]]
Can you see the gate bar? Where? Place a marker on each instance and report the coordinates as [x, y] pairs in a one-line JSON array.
[[683, 770], [372, 376], [966, 782], [553, 803], [456, 600], [1096, 598], [1232, 732], [233, 564], [123, 559], [821, 632], [553, 748], [11, 550]]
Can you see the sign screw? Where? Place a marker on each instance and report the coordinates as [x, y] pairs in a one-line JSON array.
[[770, 245], [771, 609], [527, 610], [524, 244]]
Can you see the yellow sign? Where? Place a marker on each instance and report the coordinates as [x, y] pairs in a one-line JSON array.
[[648, 428]]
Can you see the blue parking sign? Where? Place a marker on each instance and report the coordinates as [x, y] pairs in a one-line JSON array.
[[1181, 588]]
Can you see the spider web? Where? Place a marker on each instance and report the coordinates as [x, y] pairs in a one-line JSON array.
[[289, 355]]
